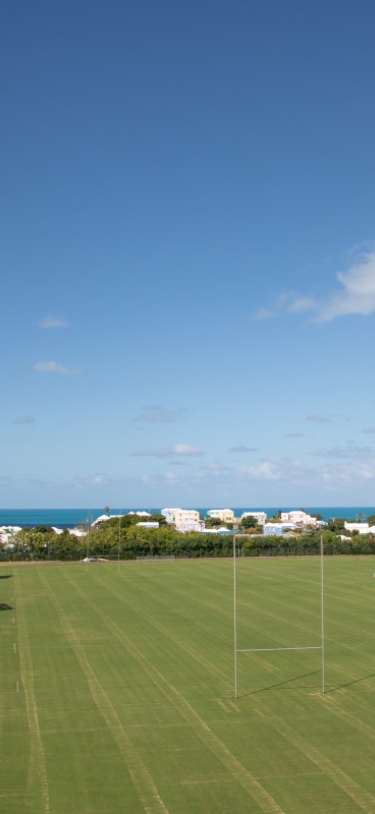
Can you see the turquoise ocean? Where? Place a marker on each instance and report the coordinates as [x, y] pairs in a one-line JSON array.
[[69, 518]]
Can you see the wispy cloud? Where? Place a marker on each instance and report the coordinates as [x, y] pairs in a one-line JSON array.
[[266, 470], [355, 294], [318, 418], [55, 367], [23, 419], [296, 434], [53, 322], [243, 448], [158, 415], [169, 452], [264, 313], [350, 452], [279, 303], [369, 430]]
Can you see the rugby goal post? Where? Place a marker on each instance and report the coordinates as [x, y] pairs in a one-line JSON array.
[[270, 649]]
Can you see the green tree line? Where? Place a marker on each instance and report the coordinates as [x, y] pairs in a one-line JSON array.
[[111, 537]]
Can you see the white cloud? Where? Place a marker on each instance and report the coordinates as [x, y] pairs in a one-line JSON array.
[[350, 452], [370, 430], [158, 415], [243, 448], [318, 418], [355, 294], [97, 480], [54, 367], [264, 313], [53, 322], [267, 470], [169, 452], [301, 304]]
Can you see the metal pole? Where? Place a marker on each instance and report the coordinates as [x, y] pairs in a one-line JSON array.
[[88, 543], [235, 615], [119, 543], [322, 600]]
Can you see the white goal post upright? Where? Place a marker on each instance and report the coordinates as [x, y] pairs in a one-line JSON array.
[[235, 614], [270, 649], [322, 605]]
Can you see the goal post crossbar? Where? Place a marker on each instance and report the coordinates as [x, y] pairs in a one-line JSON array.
[[273, 649], [269, 649]]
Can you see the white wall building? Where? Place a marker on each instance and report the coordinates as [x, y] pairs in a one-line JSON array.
[[183, 517], [273, 529], [362, 528], [225, 515], [192, 526], [111, 516], [299, 517], [6, 535], [260, 517]]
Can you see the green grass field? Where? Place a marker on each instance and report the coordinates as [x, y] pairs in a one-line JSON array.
[[116, 690]]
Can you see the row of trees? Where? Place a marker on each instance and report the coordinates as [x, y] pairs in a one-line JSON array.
[[113, 537]]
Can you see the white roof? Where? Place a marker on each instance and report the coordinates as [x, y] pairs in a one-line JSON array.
[[8, 529], [106, 517]]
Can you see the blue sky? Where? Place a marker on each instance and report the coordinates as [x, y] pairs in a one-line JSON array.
[[187, 253]]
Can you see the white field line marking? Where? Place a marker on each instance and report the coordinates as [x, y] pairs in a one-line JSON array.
[[361, 797], [353, 720], [13, 620], [217, 608], [140, 776], [14, 648], [216, 671], [241, 774], [335, 773], [37, 781], [268, 649], [17, 686]]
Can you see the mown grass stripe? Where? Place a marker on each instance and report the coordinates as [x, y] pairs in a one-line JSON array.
[[240, 773], [37, 780], [362, 798], [140, 776]]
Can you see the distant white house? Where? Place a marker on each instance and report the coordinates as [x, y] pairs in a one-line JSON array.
[[225, 515], [183, 518], [361, 528], [260, 517], [105, 517], [148, 524], [111, 516], [78, 532], [193, 525], [140, 514], [278, 528], [299, 517], [272, 529], [6, 535]]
